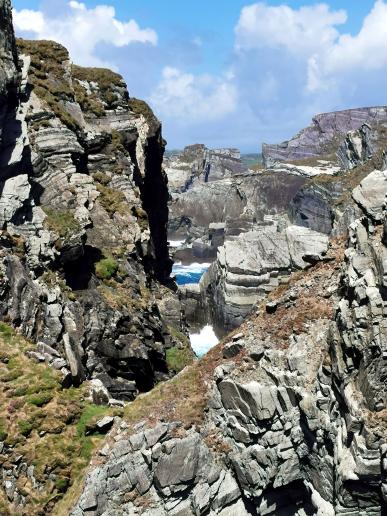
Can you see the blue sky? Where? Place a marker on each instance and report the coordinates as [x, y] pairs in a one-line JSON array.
[[226, 73]]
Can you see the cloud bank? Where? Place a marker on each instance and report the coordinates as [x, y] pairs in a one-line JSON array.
[[81, 30]]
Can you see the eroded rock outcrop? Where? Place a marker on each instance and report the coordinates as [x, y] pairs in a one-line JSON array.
[[83, 214], [197, 164], [324, 136], [250, 266], [290, 411]]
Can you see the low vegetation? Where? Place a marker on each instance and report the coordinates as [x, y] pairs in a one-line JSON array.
[[184, 398], [43, 425], [112, 200], [48, 77], [139, 107], [106, 268], [106, 80], [178, 358], [61, 222]]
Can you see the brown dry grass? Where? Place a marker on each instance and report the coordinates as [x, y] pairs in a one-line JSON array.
[[184, 398], [310, 305]]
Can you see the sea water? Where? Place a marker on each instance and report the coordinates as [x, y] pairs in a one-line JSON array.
[[205, 338], [189, 274]]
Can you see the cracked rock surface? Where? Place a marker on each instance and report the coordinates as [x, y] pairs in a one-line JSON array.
[[83, 217], [294, 418]]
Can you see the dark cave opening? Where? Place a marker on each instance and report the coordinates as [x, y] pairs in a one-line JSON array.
[[80, 272]]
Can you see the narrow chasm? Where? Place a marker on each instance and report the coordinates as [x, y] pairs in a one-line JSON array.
[[184, 332]]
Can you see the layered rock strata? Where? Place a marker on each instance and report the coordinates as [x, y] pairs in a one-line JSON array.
[[83, 215], [252, 265], [250, 198], [323, 136], [293, 419], [197, 164]]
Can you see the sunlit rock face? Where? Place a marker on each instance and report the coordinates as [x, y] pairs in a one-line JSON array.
[[197, 164], [294, 415], [323, 136], [85, 267]]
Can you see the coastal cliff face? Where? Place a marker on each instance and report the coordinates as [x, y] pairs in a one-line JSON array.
[[197, 164], [323, 137], [8, 66], [284, 211], [286, 416], [83, 212]]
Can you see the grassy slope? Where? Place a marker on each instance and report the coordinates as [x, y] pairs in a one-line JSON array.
[[43, 423]]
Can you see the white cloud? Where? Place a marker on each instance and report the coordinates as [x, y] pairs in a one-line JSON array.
[[189, 98], [81, 29], [26, 19], [300, 31], [367, 50], [310, 34]]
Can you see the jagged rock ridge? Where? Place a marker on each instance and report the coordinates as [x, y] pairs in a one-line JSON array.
[[293, 420], [83, 213], [324, 135]]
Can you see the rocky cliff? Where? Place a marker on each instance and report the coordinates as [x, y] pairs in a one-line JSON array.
[[83, 215], [8, 67], [202, 216], [197, 164], [323, 137], [286, 416], [264, 224]]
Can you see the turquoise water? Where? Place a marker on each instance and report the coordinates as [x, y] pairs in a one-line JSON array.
[[189, 274]]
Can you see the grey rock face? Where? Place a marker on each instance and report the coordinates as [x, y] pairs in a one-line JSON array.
[[323, 135], [83, 213], [370, 194], [8, 68], [197, 164], [357, 147], [250, 266], [250, 198], [312, 207], [300, 413]]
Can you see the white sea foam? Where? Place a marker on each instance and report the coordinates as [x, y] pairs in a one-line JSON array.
[[192, 268], [176, 243], [204, 340]]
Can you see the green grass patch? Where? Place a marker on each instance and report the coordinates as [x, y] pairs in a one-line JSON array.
[[178, 359], [62, 222], [44, 423], [106, 268], [91, 413], [25, 427], [39, 400]]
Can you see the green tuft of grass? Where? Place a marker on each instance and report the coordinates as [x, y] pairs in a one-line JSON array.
[[61, 484], [106, 268], [25, 427], [62, 222], [39, 400], [178, 359]]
